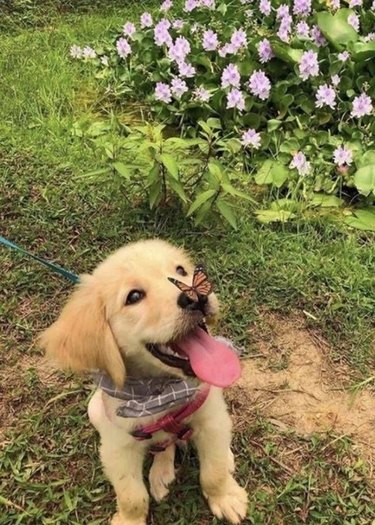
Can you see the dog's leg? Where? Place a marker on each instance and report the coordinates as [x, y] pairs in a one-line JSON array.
[[162, 473], [212, 438], [123, 467]]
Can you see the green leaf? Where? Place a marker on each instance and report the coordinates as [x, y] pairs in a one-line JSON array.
[[286, 53], [153, 175], [122, 169], [214, 123], [272, 172], [228, 188], [170, 164], [273, 124], [206, 128], [267, 216], [336, 28], [264, 175], [155, 194], [226, 211], [363, 51], [362, 219], [204, 61], [201, 199], [364, 179], [289, 146], [367, 158], [216, 169], [176, 186], [326, 201]]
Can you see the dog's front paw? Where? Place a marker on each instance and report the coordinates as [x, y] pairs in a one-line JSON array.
[[120, 520], [161, 475], [232, 505]]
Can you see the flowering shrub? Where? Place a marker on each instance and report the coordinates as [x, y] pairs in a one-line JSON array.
[[292, 83]]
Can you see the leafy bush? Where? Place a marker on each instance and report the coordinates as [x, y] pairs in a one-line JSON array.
[[142, 161], [292, 84]]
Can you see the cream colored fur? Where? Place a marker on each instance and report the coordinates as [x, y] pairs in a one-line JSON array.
[[97, 330]]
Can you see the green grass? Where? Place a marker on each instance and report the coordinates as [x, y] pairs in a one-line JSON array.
[[48, 465]]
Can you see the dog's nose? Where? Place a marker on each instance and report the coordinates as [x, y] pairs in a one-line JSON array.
[[186, 303]]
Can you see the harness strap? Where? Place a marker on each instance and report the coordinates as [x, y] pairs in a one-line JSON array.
[[173, 422]]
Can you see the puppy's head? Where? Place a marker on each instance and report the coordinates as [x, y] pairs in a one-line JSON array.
[[129, 311]]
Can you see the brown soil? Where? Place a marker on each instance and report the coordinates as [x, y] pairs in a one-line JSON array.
[[291, 381]]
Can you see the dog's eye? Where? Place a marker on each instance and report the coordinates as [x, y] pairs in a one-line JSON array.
[[134, 296], [181, 271]]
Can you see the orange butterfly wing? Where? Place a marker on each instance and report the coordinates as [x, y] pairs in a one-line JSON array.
[[185, 288], [201, 284]]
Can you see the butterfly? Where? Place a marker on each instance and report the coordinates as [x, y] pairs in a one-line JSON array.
[[201, 286]]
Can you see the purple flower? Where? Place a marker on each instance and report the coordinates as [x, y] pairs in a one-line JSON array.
[[308, 66], [230, 77], [300, 163], [335, 4], [302, 7], [146, 20], [251, 138], [335, 79], [161, 34], [265, 51], [281, 11], [317, 36], [259, 85], [190, 5], [123, 47], [227, 49], [353, 20], [178, 87], [373, 5], [76, 51], [178, 24], [166, 5], [235, 99], [370, 37], [210, 40], [355, 3], [265, 7], [186, 70], [163, 92], [207, 3], [179, 50], [285, 28], [362, 106], [88, 52], [238, 39], [303, 29], [344, 56], [201, 94], [325, 96], [129, 29], [343, 156]]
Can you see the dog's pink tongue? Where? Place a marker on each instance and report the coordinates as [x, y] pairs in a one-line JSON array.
[[212, 361]]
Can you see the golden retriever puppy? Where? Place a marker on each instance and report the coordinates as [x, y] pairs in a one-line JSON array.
[[129, 321]]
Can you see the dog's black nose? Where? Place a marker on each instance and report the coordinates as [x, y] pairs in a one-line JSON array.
[[186, 303]]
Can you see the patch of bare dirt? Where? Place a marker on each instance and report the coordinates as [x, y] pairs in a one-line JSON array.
[[292, 382]]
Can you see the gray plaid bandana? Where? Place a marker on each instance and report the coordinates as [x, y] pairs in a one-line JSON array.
[[148, 396]]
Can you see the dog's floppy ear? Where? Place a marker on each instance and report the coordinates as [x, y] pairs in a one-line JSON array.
[[81, 338]]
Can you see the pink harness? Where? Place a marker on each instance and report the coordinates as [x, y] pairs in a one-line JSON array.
[[172, 423]]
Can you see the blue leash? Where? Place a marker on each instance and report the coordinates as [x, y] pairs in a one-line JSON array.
[[54, 267]]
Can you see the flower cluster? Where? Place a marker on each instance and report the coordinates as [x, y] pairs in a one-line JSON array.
[[258, 67]]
